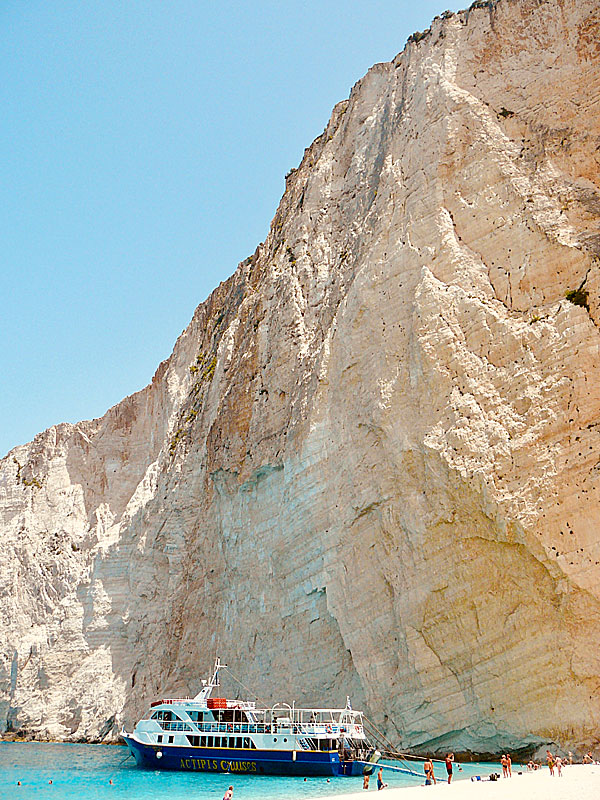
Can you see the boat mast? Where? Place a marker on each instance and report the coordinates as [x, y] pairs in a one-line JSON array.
[[208, 686]]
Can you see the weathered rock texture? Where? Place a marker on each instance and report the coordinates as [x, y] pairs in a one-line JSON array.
[[372, 463]]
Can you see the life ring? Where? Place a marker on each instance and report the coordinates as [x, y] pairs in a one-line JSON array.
[[159, 753]]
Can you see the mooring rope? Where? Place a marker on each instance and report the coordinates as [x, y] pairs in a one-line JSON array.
[[397, 753]]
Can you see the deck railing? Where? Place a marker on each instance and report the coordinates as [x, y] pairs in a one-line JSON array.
[[332, 731]]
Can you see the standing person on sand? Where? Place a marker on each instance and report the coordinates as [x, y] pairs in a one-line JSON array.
[[550, 760], [428, 769], [366, 781], [559, 766], [449, 760], [380, 784], [504, 763], [509, 765]]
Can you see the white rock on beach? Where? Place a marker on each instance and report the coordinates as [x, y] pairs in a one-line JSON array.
[[371, 464]]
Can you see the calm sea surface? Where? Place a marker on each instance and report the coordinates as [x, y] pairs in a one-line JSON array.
[[84, 771]]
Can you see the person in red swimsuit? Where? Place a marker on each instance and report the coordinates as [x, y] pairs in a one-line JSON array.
[[449, 760]]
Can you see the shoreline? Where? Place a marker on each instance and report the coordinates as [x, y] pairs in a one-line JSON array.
[[578, 782]]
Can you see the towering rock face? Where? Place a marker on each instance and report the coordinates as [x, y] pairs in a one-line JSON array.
[[371, 465]]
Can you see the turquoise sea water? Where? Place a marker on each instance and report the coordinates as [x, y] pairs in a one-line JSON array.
[[84, 771]]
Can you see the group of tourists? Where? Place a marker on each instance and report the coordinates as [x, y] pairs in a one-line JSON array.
[[506, 765], [428, 769]]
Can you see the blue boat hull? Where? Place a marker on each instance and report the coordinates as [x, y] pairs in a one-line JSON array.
[[240, 762]]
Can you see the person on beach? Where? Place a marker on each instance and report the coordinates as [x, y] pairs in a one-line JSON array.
[[428, 769], [550, 760], [570, 758], [228, 794], [366, 781], [559, 766], [449, 760], [380, 784], [504, 763], [509, 765]]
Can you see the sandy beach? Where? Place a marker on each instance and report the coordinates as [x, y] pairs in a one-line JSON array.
[[578, 782]]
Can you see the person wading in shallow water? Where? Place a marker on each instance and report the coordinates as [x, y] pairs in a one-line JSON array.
[[380, 783], [428, 770], [228, 794], [449, 760]]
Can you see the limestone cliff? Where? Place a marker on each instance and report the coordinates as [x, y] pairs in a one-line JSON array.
[[372, 464]]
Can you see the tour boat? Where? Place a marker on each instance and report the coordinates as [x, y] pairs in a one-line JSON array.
[[212, 734]]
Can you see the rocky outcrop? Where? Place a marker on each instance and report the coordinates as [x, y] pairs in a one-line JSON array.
[[371, 465]]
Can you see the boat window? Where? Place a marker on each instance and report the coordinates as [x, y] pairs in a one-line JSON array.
[[203, 741], [165, 715], [238, 742], [209, 741], [196, 716], [159, 738], [170, 740]]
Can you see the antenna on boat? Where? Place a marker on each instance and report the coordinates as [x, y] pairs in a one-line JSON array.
[[208, 686]]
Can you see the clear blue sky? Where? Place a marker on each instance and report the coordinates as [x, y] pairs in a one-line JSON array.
[[143, 153]]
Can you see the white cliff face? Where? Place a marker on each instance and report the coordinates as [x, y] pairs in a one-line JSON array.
[[370, 466]]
